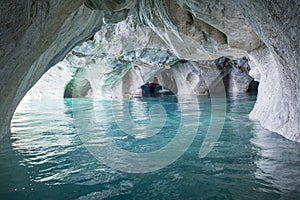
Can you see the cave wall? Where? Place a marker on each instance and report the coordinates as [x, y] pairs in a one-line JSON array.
[[200, 30], [277, 24], [35, 35], [51, 85], [123, 56]]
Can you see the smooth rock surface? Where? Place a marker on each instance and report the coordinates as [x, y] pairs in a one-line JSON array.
[[52, 84], [277, 24], [275, 108], [35, 35], [200, 30], [125, 55]]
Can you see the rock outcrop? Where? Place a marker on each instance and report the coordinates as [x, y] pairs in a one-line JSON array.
[[161, 38], [278, 104], [35, 35]]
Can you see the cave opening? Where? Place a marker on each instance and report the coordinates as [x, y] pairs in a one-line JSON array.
[[219, 80], [75, 90]]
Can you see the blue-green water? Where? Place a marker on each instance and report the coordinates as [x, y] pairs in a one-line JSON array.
[[45, 156]]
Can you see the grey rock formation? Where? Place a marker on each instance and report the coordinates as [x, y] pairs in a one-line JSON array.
[[200, 30], [236, 74], [227, 19], [277, 24], [125, 55], [35, 35]]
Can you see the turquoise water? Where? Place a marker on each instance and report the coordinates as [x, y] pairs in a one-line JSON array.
[[47, 157]]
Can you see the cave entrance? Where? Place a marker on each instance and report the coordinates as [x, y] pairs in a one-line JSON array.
[[152, 89], [76, 89]]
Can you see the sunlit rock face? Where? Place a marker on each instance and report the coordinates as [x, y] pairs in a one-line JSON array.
[[52, 84]]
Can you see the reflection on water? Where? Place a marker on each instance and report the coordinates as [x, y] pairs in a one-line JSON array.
[[159, 141], [278, 163], [45, 158]]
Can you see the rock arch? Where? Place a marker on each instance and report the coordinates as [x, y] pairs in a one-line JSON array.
[[37, 34]]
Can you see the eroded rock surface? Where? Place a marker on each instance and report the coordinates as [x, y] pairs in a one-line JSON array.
[[123, 56], [165, 38], [278, 104], [35, 35]]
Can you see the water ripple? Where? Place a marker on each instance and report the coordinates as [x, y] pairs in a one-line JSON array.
[[46, 154]]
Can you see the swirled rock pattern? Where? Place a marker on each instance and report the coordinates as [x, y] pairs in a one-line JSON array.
[[278, 104], [176, 41]]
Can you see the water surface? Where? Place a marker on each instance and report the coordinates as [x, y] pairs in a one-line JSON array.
[[45, 157]]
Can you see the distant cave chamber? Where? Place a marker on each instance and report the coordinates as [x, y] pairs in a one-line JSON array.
[[183, 78], [75, 89]]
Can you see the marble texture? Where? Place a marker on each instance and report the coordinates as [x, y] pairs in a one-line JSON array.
[[35, 35], [277, 24], [188, 34]]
